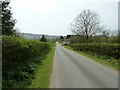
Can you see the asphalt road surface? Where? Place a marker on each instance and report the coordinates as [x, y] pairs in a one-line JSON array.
[[72, 70]]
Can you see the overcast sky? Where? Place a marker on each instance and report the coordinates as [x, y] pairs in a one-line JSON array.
[[53, 17]]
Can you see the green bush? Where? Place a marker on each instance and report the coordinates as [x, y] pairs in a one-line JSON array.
[[18, 50], [99, 49], [20, 58]]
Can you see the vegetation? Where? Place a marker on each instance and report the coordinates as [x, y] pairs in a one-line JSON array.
[[8, 22], [27, 63], [61, 38], [20, 60], [102, 50], [42, 80], [87, 24], [103, 38], [43, 39], [91, 39], [102, 59], [110, 50]]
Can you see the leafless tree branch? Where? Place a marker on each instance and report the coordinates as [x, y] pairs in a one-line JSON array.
[[87, 23]]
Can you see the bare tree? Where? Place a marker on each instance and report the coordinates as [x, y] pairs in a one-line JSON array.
[[87, 23]]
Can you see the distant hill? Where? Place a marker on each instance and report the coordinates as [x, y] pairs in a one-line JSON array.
[[37, 36]]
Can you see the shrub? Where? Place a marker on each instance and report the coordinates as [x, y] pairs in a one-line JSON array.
[[110, 50], [18, 50], [20, 58]]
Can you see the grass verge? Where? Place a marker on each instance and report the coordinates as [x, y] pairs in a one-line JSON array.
[[43, 73], [100, 59]]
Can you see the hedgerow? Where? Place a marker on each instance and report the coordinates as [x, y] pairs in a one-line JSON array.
[[20, 58], [109, 51]]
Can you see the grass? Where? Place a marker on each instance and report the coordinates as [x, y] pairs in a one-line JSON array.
[[44, 72], [100, 60]]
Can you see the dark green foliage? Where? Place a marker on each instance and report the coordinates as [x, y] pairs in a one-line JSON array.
[[20, 59], [7, 20], [68, 36], [16, 50], [43, 39], [109, 51], [113, 39], [61, 38]]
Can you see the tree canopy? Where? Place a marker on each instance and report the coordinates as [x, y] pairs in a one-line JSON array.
[[8, 22]]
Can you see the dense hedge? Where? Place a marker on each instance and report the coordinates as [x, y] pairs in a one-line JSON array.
[[17, 50], [110, 50], [20, 58]]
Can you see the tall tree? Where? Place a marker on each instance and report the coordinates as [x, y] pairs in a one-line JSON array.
[[7, 20], [87, 23]]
